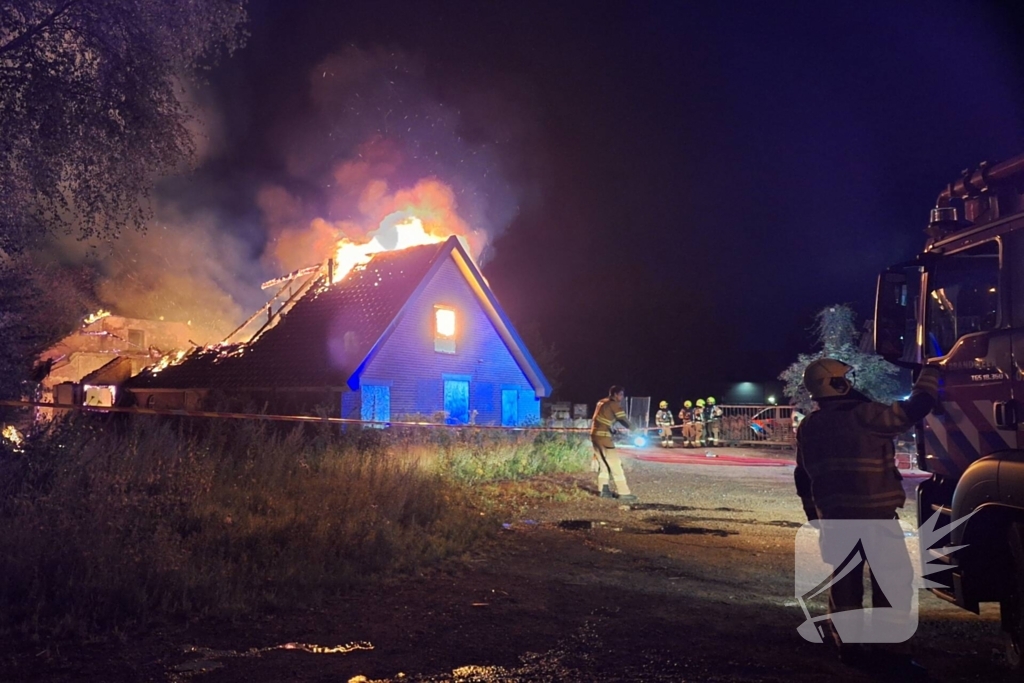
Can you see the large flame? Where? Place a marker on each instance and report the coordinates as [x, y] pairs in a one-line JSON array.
[[399, 230]]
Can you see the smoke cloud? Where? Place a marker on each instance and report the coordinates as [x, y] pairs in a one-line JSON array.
[[380, 141], [376, 141], [183, 268]]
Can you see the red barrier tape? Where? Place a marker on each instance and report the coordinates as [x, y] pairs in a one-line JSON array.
[[275, 418]]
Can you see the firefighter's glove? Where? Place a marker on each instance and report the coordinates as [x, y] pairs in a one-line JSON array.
[[928, 382]]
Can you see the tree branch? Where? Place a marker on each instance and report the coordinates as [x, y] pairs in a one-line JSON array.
[[29, 34]]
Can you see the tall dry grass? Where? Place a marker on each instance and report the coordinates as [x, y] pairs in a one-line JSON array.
[[107, 523]]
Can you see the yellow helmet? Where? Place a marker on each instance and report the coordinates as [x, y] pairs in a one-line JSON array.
[[700, 403], [663, 405], [711, 400], [826, 377], [687, 404]]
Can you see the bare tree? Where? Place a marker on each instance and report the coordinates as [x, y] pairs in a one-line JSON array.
[[91, 113], [836, 330]]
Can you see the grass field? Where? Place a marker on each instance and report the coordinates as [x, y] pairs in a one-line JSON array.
[[107, 523]]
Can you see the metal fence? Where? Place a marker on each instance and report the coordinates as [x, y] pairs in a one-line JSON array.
[[757, 426]]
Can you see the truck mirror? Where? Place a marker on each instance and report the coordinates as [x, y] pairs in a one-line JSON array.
[[892, 311]]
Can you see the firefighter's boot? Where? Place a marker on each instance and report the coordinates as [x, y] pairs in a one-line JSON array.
[[606, 492]]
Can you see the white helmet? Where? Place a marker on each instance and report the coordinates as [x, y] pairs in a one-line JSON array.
[[827, 377]]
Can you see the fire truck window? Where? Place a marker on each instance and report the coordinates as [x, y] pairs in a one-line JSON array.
[[963, 297]]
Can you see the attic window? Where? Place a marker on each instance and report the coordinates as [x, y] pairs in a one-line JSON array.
[[444, 329]]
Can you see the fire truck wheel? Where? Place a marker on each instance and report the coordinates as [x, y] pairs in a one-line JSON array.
[[1012, 609]]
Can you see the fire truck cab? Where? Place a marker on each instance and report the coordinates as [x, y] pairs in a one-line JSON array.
[[959, 306]]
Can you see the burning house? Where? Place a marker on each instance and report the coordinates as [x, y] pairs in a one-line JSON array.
[[87, 365], [410, 332]]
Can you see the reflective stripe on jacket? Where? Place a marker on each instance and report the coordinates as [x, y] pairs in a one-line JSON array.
[[607, 413], [690, 415], [663, 418], [846, 461]]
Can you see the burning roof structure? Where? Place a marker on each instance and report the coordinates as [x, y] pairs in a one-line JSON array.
[[418, 324]]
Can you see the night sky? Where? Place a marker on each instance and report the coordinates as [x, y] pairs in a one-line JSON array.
[[671, 190]]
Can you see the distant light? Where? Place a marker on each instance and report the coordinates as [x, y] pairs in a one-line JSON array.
[[771, 400], [992, 291], [639, 441]]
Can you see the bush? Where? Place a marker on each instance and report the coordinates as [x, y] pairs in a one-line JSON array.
[[475, 456], [108, 522]]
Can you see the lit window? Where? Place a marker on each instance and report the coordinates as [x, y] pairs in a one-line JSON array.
[[445, 320], [444, 329]]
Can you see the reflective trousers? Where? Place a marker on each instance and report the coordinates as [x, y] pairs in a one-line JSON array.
[[666, 435], [715, 427], [609, 466]]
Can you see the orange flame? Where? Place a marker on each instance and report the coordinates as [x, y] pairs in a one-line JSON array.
[[378, 219], [93, 317], [396, 232]]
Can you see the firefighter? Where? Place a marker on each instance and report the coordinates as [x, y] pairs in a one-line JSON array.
[[698, 423], [686, 418], [846, 470], [609, 466], [663, 420], [713, 419]]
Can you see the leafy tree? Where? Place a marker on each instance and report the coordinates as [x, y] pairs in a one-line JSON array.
[[836, 331], [92, 114], [39, 304], [92, 110]]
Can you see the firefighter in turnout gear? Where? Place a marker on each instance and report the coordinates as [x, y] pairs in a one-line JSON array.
[[686, 418], [713, 421], [663, 420], [609, 466], [846, 470], [698, 423]]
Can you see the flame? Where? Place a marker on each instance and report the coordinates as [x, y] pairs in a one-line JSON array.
[[170, 359], [399, 230], [11, 433], [93, 317]]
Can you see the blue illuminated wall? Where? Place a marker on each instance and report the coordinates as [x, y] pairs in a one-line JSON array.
[[416, 373]]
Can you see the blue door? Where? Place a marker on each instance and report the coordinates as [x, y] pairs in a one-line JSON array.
[[376, 403], [456, 401], [509, 408]]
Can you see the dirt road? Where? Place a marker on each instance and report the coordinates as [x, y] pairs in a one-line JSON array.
[[694, 583]]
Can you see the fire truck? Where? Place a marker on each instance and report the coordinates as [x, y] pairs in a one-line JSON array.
[[959, 306]]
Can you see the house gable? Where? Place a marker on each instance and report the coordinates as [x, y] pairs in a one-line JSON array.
[[454, 253], [407, 360]]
